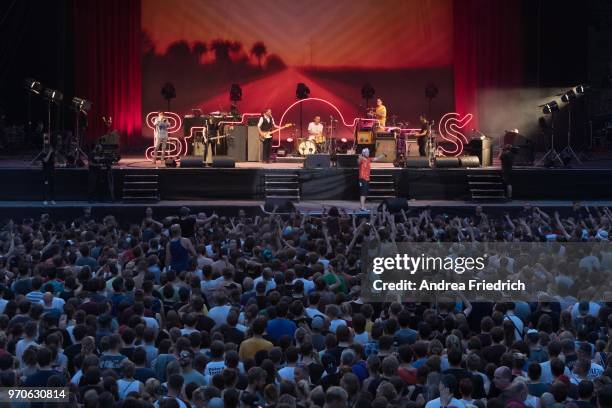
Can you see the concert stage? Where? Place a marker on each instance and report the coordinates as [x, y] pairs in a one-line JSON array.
[[22, 182]]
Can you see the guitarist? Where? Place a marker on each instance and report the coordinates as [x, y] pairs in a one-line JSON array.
[[422, 135], [265, 125]]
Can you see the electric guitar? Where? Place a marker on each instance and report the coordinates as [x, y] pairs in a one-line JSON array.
[[268, 135]]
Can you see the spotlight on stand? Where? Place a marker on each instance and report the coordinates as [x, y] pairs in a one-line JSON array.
[[235, 93], [568, 96], [53, 96], [81, 105], [582, 89], [168, 92], [33, 86], [550, 107], [302, 91], [367, 93]]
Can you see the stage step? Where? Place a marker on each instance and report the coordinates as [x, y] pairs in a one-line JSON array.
[[140, 188], [382, 186], [486, 187], [282, 185]]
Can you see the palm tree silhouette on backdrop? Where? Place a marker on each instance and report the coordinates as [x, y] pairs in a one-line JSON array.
[[259, 50]]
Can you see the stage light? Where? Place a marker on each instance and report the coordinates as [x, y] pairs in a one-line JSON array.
[[33, 86], [235, 93], [367, 91], [431, 91], [582, 89], [568, 96], [289, 140], [302, 91], [81, 105], [550, 107], [53, 96]]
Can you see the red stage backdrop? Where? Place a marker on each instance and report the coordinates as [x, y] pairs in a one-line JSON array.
[[125, 50], [334, 47]]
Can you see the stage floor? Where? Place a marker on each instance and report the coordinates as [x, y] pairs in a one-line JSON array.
[[600, 160], [592, 180]]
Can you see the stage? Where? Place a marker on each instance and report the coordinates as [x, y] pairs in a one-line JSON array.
[[23, 182]]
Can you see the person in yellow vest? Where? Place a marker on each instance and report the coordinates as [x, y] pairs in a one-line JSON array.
[[381, 113]]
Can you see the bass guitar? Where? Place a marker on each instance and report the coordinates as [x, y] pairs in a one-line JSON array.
[[268, 135]]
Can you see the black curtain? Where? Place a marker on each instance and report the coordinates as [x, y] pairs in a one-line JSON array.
[[35, 42]]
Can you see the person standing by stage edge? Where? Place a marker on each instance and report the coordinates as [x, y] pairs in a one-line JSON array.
[[423, 135], [507, 161], [365, 166], [160, 135], [48, 168], [265, 125]]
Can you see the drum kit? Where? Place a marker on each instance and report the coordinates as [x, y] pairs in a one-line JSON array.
[[322, 143]]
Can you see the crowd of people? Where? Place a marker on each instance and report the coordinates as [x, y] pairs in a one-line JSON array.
[[201, 310]]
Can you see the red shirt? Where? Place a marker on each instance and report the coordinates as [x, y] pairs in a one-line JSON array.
[[364, 168]]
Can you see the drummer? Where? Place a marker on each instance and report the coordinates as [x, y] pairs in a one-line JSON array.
[[315, 130]]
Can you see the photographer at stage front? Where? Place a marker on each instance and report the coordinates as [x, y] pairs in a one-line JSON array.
[[507, 161], [100, 180]]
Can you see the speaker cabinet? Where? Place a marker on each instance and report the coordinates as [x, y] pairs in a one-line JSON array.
[[412, 148], [388, 147], [447, 162], [237, 143], [347, 160], [469, 161], [317, 161], [365, 137], [417, 162], [192, 162], [224, 162], [198, 150], [254, 151]]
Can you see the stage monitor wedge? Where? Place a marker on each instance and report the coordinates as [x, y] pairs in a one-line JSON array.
[[347, 161], [192, 162], [317, 161]]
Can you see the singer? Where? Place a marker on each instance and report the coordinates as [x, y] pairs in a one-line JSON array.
[[160, 135]]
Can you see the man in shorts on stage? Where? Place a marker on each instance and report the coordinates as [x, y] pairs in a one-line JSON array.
[[365, 166]]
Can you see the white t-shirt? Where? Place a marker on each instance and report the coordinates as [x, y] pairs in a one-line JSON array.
[[334, 324], [313, 311], [125, 387], [314, 129], [362, 338], [213, 368], [219, 314], [309, 285], [270, 285], [3, 303], [287, 373], [453, 403], [518, 326], [21, 346]]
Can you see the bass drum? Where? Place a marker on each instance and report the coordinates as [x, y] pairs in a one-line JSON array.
[[307, 147]]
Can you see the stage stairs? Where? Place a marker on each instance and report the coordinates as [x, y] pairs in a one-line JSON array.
[[486, 186], [282, 185], [382, 185], [141, 188]]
